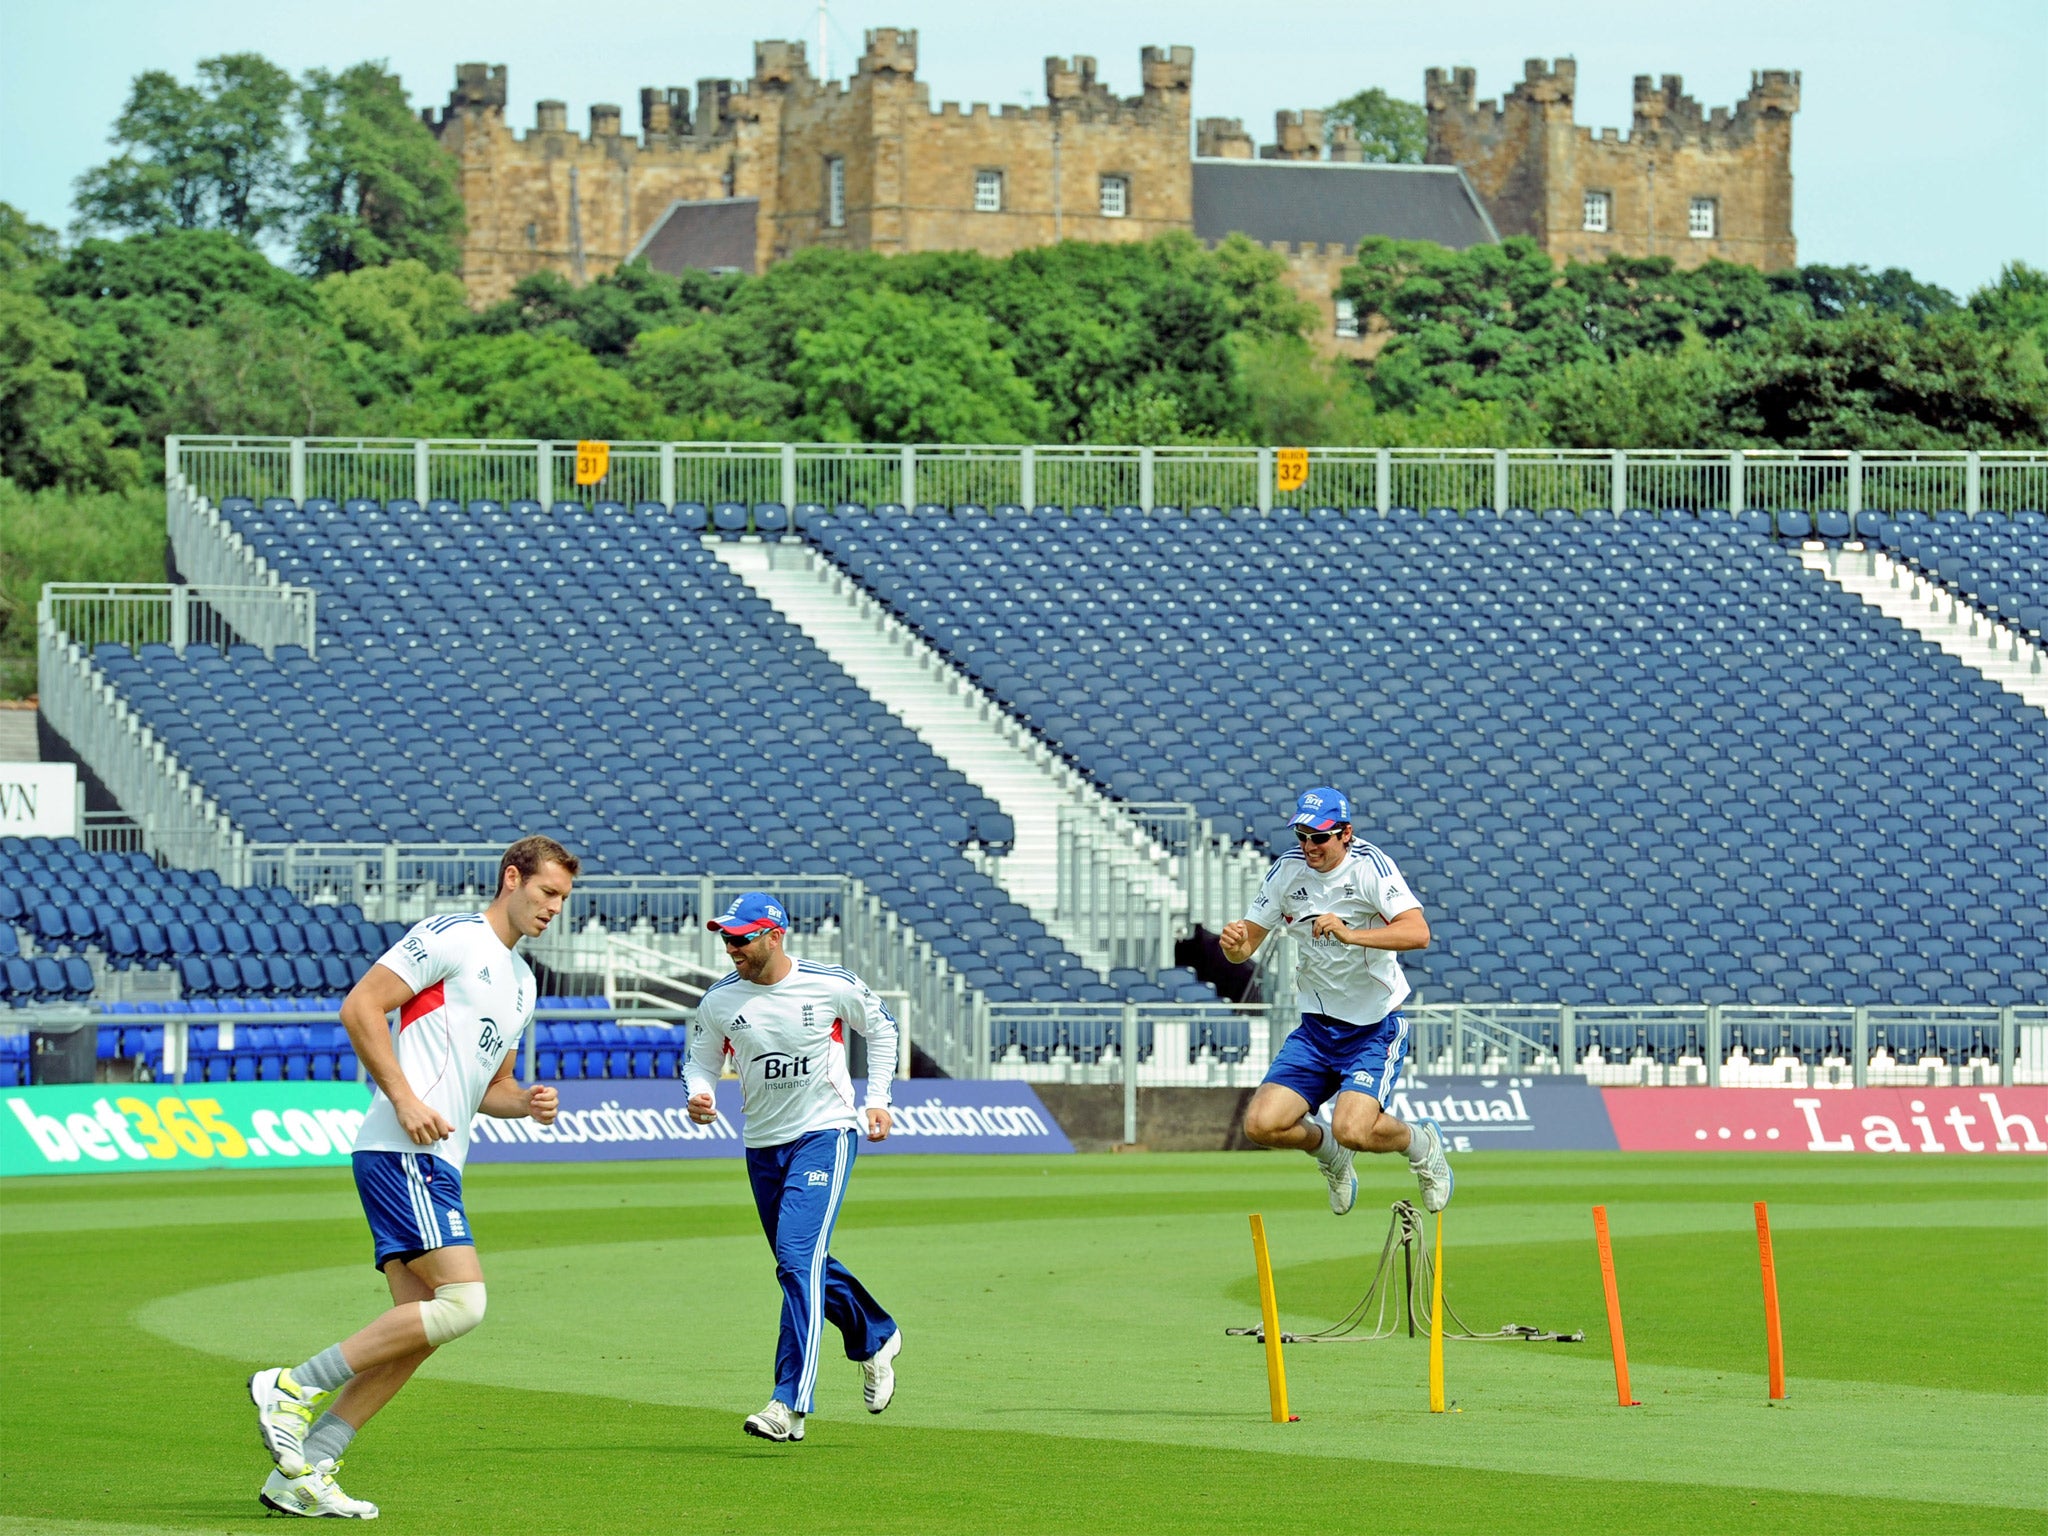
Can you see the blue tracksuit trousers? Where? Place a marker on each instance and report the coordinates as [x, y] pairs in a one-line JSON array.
[[798, 1187]]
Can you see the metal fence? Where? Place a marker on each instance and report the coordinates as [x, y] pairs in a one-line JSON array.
[[1073, 476]]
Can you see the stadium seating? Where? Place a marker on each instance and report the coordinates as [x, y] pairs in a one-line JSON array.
[[596, 673], [61, 908], [1996, 564], [1626, 760]]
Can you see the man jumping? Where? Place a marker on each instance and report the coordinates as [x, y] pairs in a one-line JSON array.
[[1350, 911], [785, 1023], [464, 995]]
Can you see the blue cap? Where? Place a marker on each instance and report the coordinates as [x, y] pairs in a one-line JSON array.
[[749, 914], [1321, 808]]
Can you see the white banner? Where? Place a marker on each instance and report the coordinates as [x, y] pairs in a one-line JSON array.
[[38, 800]]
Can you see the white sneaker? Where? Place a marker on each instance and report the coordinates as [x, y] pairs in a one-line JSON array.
[[1433, 1173], [1337, 1171], [282, 1419], [878, 1373], [778, 1421], [316, 1495]]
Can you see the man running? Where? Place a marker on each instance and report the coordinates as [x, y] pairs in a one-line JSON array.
[[785, 1022], [463, 995], [1350, 911]]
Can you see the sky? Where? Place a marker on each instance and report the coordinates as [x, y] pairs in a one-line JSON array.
[[1921, 140]]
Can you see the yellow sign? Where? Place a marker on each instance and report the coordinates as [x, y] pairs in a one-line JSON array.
[[1290, 468], [592, 462]]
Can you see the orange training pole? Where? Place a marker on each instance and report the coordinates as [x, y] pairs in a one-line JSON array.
[[1613, 1308], [1774, 1341]]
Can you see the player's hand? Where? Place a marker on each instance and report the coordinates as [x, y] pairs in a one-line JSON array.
[[1331, 926], [422, 1123], [879, 1121], [1234, 937], [703, 1108], [543, 1103]]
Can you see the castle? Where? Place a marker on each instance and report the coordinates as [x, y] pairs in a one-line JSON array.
[[746, 172]]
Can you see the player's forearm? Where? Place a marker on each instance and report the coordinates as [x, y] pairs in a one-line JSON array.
[[1398, 935], [505, 1099], [884, 1041]]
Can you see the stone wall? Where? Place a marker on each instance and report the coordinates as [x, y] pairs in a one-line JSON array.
[[1533, 165]]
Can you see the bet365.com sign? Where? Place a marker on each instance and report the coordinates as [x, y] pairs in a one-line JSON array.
[[141, 1127]]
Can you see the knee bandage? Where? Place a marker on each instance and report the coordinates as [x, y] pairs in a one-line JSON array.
[[455, 1310]]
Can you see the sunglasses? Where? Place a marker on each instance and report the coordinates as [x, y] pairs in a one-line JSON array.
[[741, 940], [1318, 838]]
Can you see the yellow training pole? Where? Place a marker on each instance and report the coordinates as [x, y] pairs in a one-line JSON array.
[[1269, 1312], [1436, 1323]]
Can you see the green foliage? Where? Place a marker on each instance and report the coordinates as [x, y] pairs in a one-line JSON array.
[[605, 317], [23, 242], [215, 155], [48, 436], [55, 535], [1391, 131], [374, 186], [522, 386], [252, 371], [2016, 304], [394, 310], [1836, 293], [888, 367], [1875, 381], [1660, 399]]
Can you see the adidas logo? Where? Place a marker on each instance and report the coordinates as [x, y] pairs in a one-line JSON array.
[[484, 975], [1299, 893]]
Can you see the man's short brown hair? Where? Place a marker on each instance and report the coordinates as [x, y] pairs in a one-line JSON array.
[[529, 853]]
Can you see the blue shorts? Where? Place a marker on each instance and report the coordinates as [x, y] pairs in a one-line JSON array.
[[1326, 1057], [414, 1202]]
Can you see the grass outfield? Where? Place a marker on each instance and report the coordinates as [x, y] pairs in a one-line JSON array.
[[1065, 1366]]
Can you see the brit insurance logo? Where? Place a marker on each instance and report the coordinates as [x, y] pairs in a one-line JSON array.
[[490, 1045], [779, 1069]]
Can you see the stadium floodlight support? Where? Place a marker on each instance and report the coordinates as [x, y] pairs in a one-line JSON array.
[[1151, 477]]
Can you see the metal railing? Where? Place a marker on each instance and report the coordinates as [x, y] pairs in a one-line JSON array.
[[384, 469]]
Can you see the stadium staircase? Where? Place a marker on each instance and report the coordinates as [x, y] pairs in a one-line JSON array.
[[1044, 797]]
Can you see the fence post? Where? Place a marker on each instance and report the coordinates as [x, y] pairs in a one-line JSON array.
[[667, 488], [1859, 1044], [2008, 1045], [1973, 483], [296, 485], [1130, 1050], [1617, 493], [172, 468], [1855, 493], [181, 619], [390, 903], [1717, 1050], [1265, 479], [544, 474], [1145, 465], [1500, 480], [909, 486], [1027, 472], [422, 476], [789, 474], [1737, 491], [1568, 1038]]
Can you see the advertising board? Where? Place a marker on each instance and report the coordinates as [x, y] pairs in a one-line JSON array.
[[1925, 1120], [1508, 1114]]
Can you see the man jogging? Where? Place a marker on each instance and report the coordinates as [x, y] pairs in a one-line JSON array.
[[464, 995], [784, 1022], [1351, 912]]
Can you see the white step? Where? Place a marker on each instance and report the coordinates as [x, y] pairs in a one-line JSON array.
[[2008, 659], [964, 727]]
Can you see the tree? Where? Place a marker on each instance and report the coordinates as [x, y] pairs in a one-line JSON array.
[[1875, 381], [216, 155], [375, 186], [49, 434], [1390, 131], [394, 310], [890, 368], [522, 386], [253, 370], [1645, 399], [1839, 292], [2016, 304], [23, 242]]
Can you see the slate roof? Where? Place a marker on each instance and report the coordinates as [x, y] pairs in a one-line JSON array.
[[1321, 201], [714, 234]]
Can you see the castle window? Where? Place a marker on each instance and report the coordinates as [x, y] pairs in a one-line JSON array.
[[1116, 196], [1703, 219], [533, 234], [1347, 319], [988, 191], [835, 191], [1599, 207]]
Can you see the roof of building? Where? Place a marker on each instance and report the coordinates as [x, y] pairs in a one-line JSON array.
[[714, 235], [1323, 201]]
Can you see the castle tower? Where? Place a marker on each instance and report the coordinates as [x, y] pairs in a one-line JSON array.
[[1687, 184]]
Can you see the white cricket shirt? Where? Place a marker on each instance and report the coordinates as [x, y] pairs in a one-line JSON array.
[[788, 1043], [472, 997], [1358, 986]]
